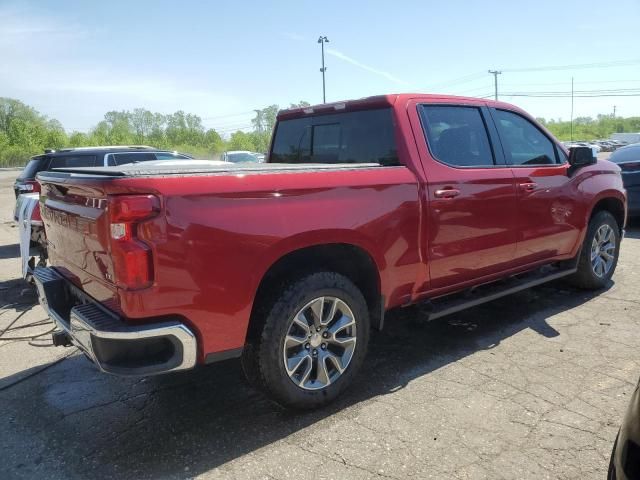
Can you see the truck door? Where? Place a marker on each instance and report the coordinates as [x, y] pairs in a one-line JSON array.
[[548, 224], [471, 200]]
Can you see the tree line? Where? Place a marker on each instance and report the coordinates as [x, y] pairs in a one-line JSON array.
[[588, 128], [25, 132]]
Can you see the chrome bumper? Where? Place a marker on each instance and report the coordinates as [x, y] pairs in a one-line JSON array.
[[114, 346]]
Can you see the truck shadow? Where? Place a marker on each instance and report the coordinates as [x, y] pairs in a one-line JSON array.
[[69, 420]]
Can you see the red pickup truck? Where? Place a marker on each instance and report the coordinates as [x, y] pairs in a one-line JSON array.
[[362, 206]]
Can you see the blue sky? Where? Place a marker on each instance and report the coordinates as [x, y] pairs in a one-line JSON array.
[[75, 60]]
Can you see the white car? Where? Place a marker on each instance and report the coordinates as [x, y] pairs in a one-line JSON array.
[[595, 147], [239, 156]]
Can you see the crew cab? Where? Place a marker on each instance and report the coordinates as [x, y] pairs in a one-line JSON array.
[[363, 206]]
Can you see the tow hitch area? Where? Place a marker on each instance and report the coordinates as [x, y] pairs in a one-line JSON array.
[[61, 339]]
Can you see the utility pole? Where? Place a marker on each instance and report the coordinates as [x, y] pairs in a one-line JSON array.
[[495, 74], [572, 109], [614, 111], [322, 40]]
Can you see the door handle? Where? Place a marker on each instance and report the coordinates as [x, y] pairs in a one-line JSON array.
[[528, 186], [446, 193]]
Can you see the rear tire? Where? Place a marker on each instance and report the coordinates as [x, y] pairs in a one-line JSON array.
[[599, 254], [311, 342]]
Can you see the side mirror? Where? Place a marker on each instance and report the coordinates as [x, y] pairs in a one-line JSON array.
[[581, 157]]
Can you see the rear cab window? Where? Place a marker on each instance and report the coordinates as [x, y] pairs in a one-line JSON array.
[[366, 136]]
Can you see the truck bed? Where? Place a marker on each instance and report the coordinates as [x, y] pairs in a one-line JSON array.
[[218, 230], [198, 167]]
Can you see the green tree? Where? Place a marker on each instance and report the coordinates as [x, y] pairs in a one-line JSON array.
[[300, 104], [241, 141]]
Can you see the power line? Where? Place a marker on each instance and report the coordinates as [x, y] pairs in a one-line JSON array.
[[618, 63], [578, 93], [457, 81], [590, 82], [569, 95], [229, 115]]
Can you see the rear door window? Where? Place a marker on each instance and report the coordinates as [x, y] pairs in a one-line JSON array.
[[457, 135], [366, 136], [71, 161]]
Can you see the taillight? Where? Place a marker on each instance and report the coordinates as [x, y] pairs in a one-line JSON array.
[[28, 186], [36, 217], [629, 166], [132, 259]]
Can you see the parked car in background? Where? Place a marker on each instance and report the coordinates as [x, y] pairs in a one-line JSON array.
[[604, 145], [239, 156], [628, 159], [595, 147], [87, 157], [619, 143], [73, 157], [625, 457], [363, 206]]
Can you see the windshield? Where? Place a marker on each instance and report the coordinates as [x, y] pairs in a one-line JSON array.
[[241, 157]]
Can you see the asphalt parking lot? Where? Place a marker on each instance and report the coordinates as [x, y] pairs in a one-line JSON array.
[[530, 386]]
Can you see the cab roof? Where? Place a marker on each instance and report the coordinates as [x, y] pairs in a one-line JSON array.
[[382, 101]]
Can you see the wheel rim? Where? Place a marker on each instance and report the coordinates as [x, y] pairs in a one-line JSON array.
[[320, 343], [603, 250]]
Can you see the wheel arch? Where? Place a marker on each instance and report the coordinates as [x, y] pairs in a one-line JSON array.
[[613, 205], [352, 261]]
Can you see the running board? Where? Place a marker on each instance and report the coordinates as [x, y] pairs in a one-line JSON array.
[[439, 307]]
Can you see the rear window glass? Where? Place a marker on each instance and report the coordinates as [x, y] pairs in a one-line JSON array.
[[133, 157], [626, 155], [352, 137], [35, 165], [70, 161]]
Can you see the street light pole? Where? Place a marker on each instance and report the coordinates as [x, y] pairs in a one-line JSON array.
[[322, 40], [495, 74]]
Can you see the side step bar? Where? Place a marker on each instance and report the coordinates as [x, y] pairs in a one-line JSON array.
[[439, 307]]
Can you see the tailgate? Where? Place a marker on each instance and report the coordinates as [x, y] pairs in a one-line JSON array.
[[92, 240]]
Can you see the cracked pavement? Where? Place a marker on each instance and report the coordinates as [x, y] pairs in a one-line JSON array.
[[529, 386]]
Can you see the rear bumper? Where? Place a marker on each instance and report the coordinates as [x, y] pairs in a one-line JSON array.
[[114, 346]]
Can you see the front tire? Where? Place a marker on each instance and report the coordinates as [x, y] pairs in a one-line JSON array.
[[599, 254], [312, 341]]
